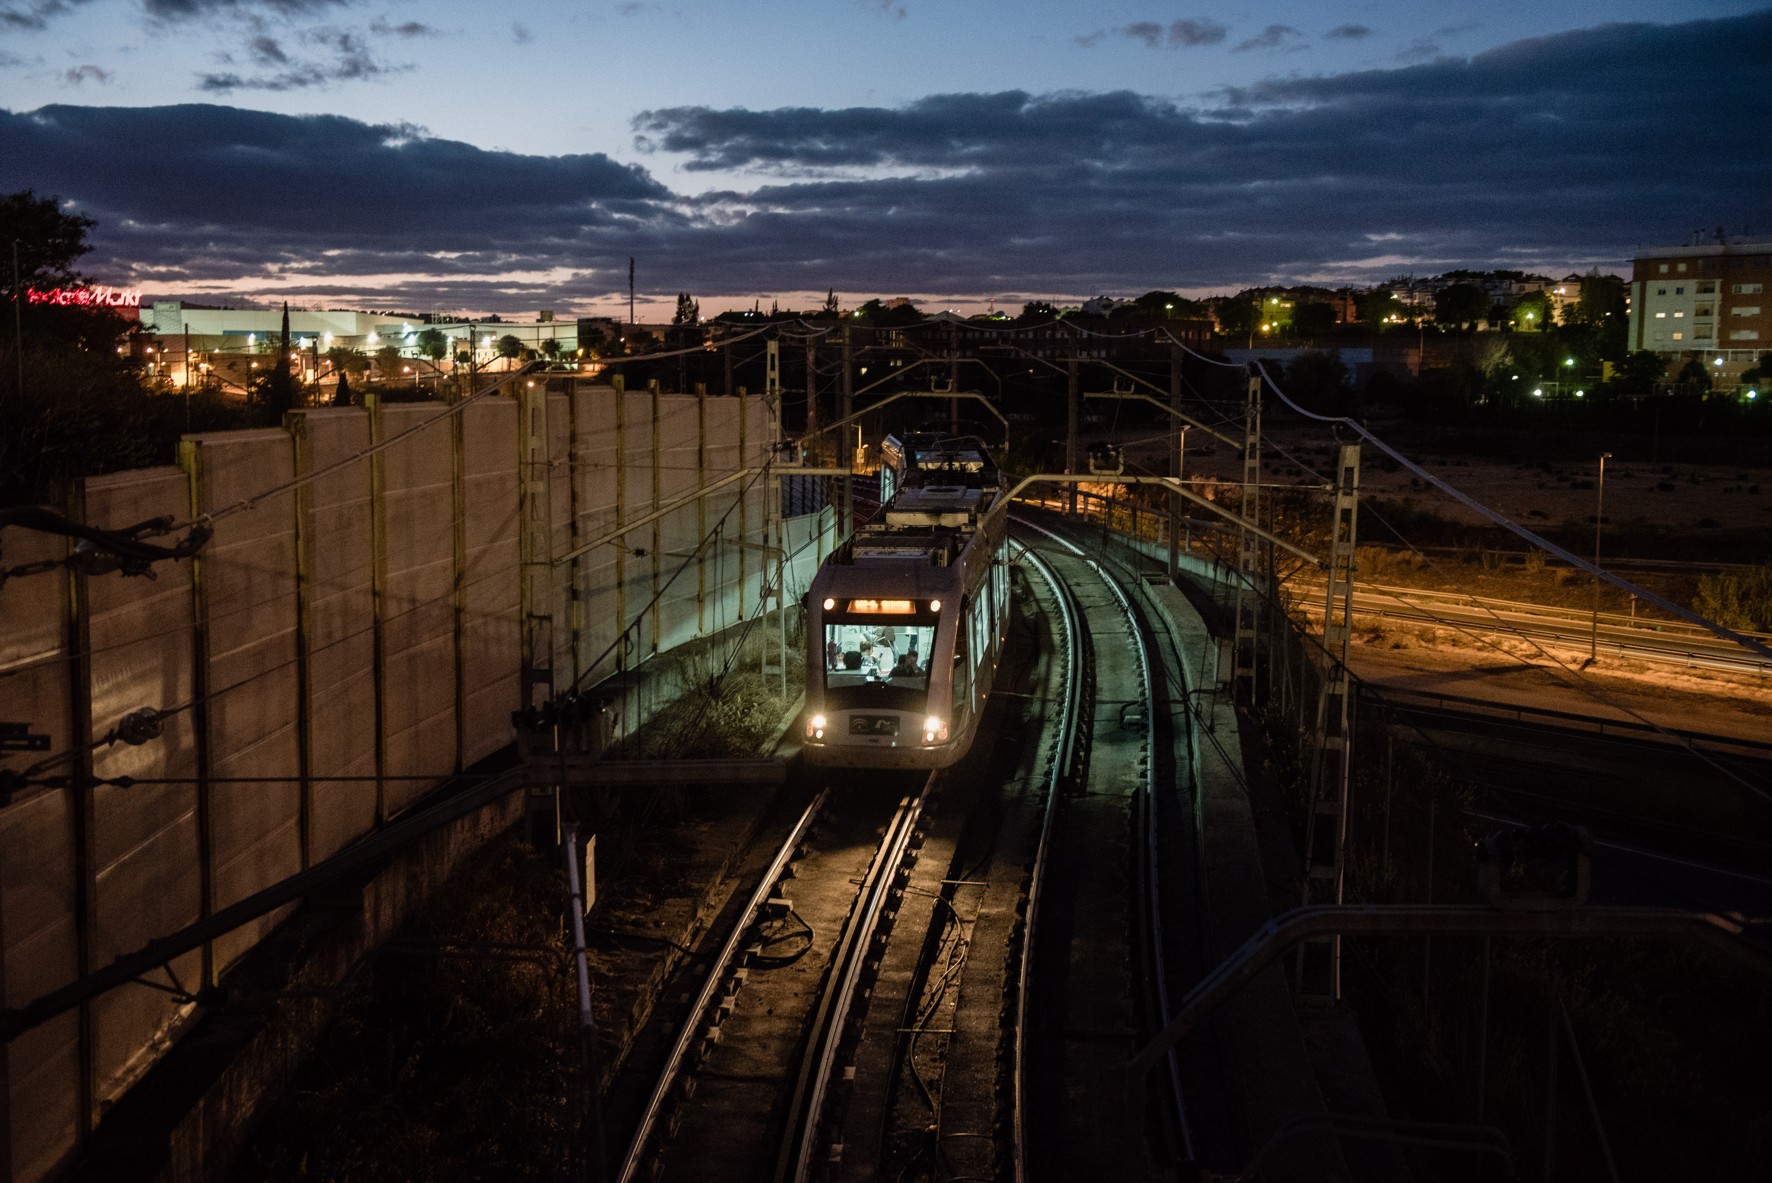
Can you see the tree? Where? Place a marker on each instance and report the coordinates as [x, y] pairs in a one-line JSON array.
[[277, 388], [1461, 306], [879, 313], [1639, 372], [1237, 317], [551, 347], [1038, 310], [1694, 378], [387, 361], [345, 360], [433, 344], [1603, 308], [1760, 371], [1532, 312], [685, 330], [1161, 304], [509, 345], [1738, 601], [1379, 308], [1313, 319], [49, 241], [830, 304]]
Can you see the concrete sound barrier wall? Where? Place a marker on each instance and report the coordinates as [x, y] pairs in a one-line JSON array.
[[383, 588]]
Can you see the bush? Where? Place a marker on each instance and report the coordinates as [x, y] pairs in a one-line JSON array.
[[1737, 600]]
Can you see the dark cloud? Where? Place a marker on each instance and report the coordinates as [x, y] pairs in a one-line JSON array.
[[193, 193], [351, 61], [1149, 32], [1419, 52], [1348, 33], [181, 10], [1200, 32], [87, 73], [407, 29], [1186, 33], [1549, 154], [266, 51], [34, 15], [1272, 37]]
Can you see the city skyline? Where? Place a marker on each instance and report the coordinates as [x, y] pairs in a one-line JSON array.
[[331, 152]]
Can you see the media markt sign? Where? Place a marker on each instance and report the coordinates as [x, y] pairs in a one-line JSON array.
[[86, 297]]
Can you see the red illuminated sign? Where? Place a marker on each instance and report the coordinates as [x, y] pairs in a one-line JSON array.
[[94, 297]]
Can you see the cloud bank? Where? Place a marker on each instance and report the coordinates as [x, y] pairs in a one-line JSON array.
[[1551, 153]]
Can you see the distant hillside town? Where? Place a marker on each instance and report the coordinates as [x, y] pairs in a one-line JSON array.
[[1698, 305]]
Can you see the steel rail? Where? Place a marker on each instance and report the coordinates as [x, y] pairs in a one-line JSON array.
[[1064, 753], [678, 1062], [1149, 864], [811, 1085]]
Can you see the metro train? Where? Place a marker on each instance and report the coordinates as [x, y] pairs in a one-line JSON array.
[[906, 621]]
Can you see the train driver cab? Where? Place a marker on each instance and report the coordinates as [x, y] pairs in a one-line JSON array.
[[873, 651]]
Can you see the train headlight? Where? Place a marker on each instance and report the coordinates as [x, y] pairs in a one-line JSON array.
[[934, 730], [935, 605], [829, 603], [815, 727]]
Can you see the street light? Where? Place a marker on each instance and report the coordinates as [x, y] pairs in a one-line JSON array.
[[1593, 644]]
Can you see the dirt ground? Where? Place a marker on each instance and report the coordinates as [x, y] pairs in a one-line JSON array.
[[1699, 513], [1533, 675], [1640, 495]]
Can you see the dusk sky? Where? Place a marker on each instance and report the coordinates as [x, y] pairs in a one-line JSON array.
[[478, 157]]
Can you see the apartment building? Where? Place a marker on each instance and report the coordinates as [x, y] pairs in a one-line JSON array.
[[1708, 300]]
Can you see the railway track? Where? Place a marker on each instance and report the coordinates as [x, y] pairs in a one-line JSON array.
[[776, 999], [947, 981]]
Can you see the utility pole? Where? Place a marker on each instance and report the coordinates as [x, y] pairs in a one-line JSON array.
[[812, 392], [630, 291], [1070, 436], [1593, 641], [1178, 438], [953, 377], [846, 514], [18, 319]]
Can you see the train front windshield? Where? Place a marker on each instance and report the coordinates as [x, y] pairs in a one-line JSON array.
[[894, 653]]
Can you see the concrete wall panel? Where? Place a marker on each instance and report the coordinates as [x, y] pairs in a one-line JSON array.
[[561, 511], [39, 926], [418, 607], [337, 529], [491, 637], [146, 853], [43, 1066], [599, 597], [247, 592]]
